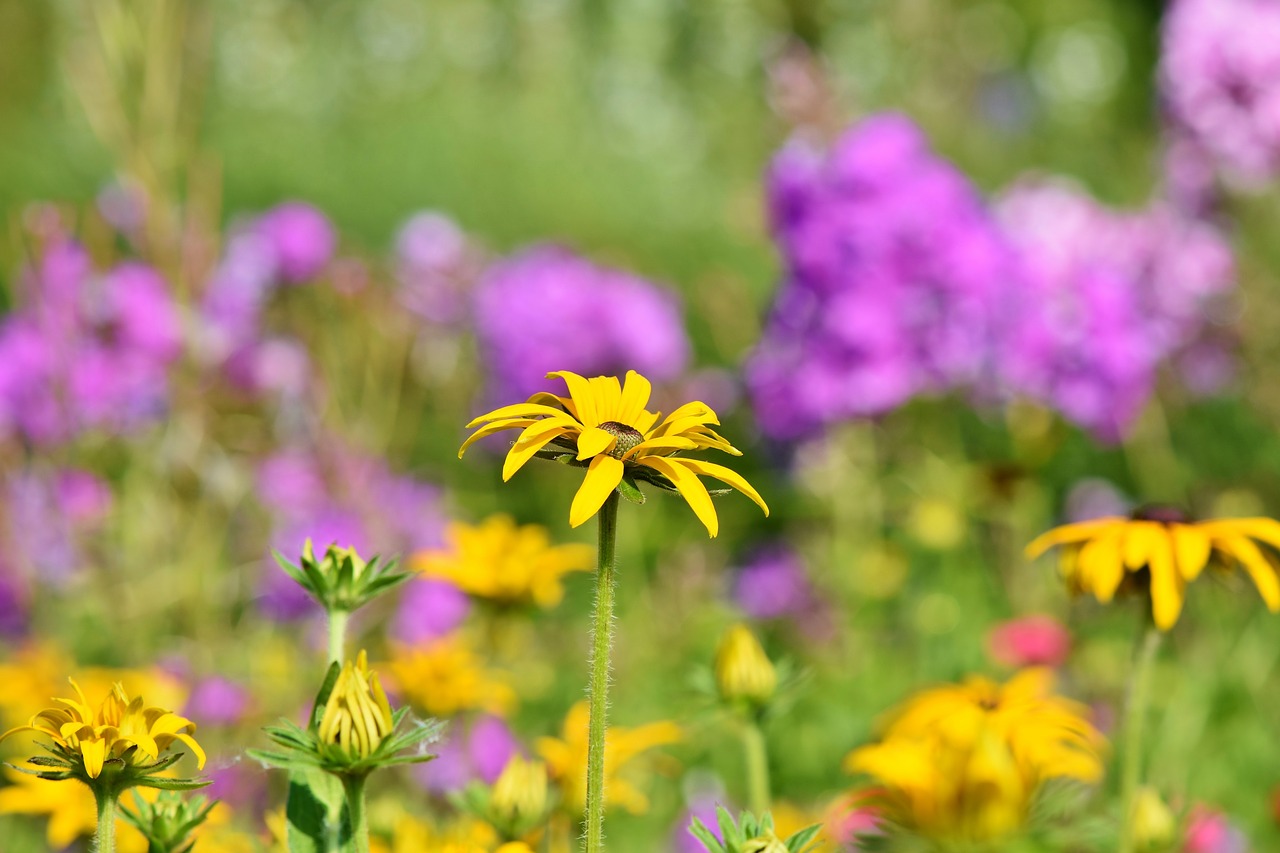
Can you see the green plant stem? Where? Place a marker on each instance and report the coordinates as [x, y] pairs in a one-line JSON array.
[[757, 759], [1135, 717], [601, 646], [353, 788], [106, 836], [338, 635]]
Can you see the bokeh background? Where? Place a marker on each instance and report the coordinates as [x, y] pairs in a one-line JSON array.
[[362, 223]]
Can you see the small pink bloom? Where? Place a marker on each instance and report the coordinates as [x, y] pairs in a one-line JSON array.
[[1029, 641], [1209, 831]]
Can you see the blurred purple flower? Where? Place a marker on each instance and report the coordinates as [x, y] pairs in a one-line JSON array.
[[893, 272], [217, 701], [428, 610], [1094, 497], [437, 266], [47, 514], [83, 497], [1210, 831], [14, 600], [279, 597], [478, 751], [301, 239], [1220, 81], [549, 309], [773, 584], [702, 808]]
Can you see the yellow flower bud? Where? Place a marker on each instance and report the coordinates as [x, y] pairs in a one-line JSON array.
[[743, 670], [521, 791], [357, 716], [1154, 826], [767, 843]]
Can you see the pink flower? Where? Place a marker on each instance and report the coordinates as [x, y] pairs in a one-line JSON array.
[[1209, 831], [1029, 641]]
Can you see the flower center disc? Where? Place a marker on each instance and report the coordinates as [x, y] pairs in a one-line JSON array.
[[1164, 514], [628, 437]]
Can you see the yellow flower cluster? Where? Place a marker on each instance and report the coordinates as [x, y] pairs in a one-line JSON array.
[[110, 732], [446, 677], [505, 562], [964, 762]]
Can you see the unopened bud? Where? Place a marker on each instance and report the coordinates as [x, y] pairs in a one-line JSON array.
[[743, 670]]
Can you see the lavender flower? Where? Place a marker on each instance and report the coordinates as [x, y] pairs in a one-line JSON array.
[[773, 584], [301, 240], [548, 309], [478, 751], [217, 701], [1220, 78], [48, 515], [14, 600], [892, 272], [437, 266], [429, 610]]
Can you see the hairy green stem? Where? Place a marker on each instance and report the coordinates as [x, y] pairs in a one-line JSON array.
[[353, 787], [1135, 717], [106, 836], [757, 767], [338, 635], [601, 646]]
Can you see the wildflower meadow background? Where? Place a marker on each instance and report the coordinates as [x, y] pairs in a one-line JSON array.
[[947, 274]]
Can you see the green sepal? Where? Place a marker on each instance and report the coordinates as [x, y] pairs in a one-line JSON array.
[[800, 840], [164, 783], [322, 696], [628, 489]]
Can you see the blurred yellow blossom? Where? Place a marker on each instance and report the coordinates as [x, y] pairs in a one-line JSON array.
[[1161, 550], [963, 762], [520, 793], [505, 562], [566, 758], [71, 810], [446, 676], [743, 670], [1154, 826]]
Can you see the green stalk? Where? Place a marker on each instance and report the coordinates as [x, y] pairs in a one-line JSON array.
[[353, 787], [757, 767], [1134, 724], [338, 635], [601, 645], [106, 836]]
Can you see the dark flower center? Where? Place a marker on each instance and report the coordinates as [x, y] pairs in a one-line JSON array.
[[1163, 513], [628, 437]]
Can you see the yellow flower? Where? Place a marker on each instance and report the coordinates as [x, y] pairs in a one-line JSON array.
[[520, 793], [510, 564], [1154, 826], [357, 716], [963, 762], [1162, 550], [566, 758], [463, 835], [71, 810], [743, 670], [446, 677], [607, 423], [108, 733]]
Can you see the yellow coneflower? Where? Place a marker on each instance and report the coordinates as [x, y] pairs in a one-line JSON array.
[[606, 425], [1160, 549], [964, 762], [357, 717], [446, 676]]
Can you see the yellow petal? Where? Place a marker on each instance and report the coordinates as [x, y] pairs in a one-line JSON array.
[[635, 396], [1265, 530], [603, 476], [1069, 533], [608, 397], [534, 438], [1100, 566], [689, 486], [496, 426], [725, 475], [1140, 538], [1258, 567], [580, 391], [94, 752], [593, 442], [659, 445], [1167, 585], [1191, 546], [519, 410]]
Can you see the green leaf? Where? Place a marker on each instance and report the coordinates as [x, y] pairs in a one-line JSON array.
[[802, 839], [708, 839], [322, 697], [629, 490], [314, 812], [729, 831], [164, 784]]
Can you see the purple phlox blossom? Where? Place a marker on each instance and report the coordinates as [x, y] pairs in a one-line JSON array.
[[547, 309], [701, 806], [1105, 298], [301, 240], [773, 584], [892, 270], [429, 609], [437, 266], [48, 513], [1094, 497], [217, 701], [15, 599], [469, 751], [1220, 81]]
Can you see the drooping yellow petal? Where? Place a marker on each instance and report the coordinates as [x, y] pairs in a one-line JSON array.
[[94, 752], [1069, 533], [690, 488], [496, 426], [1191, 547], [593, 442], [535, 437], [580, 392], [1257, 565], [635, 396], [519, 410], [1167, 585], [603, 476], [1140, 538], [659, 445], [1100, 565], [725, 475]]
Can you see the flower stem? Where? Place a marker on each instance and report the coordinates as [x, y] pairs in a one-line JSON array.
[[1134, 722], [106, 836], [338, 635], [353, 787], [757, 768], [601, 645]]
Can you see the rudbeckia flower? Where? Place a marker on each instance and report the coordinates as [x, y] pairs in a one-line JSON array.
[[1162, 550], [119, 731], [964, 762], [604, 425]]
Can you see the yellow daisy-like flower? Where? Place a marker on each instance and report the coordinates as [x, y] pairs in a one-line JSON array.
[[505, 562], [964, 762], [1162, 550], [566, 758], [446, 677], [108, 733], [605, 425], [71, 810]]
